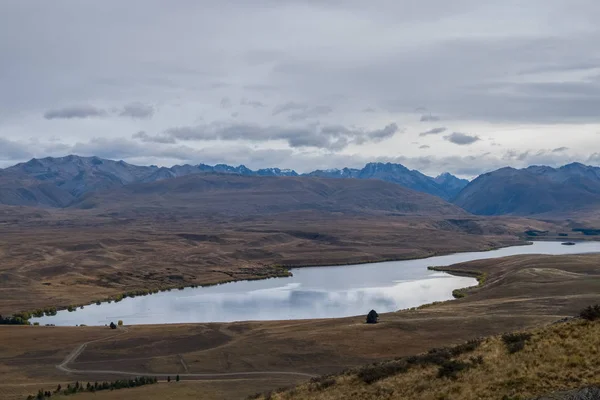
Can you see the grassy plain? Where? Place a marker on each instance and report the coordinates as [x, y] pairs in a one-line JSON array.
[[520, 292], [60, 258]]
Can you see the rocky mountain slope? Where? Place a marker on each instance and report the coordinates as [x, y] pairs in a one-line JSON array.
[[446, 186], [59, 182], [238, 195], [534, 190]]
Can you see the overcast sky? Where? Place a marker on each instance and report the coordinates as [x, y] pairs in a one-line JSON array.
[[460, 86]]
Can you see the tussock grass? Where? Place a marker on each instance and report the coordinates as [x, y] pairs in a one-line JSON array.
[[519, 365]]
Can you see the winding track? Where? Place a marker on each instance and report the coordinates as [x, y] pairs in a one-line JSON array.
[[71, 357]]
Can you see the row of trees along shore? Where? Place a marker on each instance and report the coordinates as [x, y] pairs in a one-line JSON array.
[[97, 387]]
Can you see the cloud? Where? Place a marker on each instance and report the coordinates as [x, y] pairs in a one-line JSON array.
[[226, 103], [132, 110], [385, 133], [312, 112], [83, 111], [424, 146], [369, 110], [137, 111], [331, 137], [252, 103], [144, 137], [289, 106], [461, 138], [10, 150], [560, 149], [433, 131], [429, 118]]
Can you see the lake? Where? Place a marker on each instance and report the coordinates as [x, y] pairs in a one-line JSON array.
[[316, 292]]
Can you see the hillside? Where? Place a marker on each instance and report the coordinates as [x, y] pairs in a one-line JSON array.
[[232, 195], [554, 362], [532, 191], [59, 182]]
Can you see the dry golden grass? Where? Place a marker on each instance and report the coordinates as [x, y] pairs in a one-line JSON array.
[[558, 357], [520, 292], [59, 258]]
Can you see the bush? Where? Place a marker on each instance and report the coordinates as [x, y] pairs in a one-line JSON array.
[[515, 342], [376, 372], [322, 382], [372, 317], [591, 313], [437, 356], [451, 368]]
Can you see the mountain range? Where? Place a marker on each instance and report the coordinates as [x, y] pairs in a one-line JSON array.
[[536, 190], [532, 191], [59, 182]]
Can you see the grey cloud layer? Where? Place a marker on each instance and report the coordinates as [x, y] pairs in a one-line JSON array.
[[132, 110], [137, 110], [506, 63], [331, 137], [433, 131], [301, 111], [462, 138], [75, 112]]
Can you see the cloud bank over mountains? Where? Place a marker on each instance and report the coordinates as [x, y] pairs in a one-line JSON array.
[[463, 86]]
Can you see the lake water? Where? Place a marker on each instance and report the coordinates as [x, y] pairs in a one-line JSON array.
[[319, 292]]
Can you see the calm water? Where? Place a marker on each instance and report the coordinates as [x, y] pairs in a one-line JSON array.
[[321, 292]]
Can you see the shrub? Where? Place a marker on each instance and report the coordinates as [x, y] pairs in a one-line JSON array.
[[376, 372], [515, 342], [322, 382], [451, 368], [437, 356], [591, 313], [372, 317]]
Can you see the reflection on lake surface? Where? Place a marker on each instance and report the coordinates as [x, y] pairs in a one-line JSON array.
[[320, 292]]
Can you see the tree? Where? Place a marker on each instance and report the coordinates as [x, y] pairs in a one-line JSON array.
[[58, 388], [168, 379], [372, 317], [177, 378], [113, 326], [120, 323]]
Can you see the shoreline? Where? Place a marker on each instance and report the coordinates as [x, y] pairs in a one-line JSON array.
[[286, 272]]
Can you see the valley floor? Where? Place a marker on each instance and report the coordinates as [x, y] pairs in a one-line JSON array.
[[58, 259]]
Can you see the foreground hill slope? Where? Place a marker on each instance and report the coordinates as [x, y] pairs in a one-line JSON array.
[[225, 194], [555, 362], [534, 190]]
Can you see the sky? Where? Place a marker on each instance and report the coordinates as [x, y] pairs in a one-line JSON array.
[[461, 86]]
